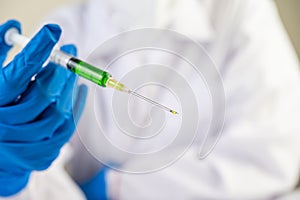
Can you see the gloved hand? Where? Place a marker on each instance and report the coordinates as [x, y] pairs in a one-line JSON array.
[[36, 116], [95, 188]]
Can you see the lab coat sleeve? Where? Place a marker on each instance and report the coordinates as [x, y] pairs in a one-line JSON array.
[[257, 156]]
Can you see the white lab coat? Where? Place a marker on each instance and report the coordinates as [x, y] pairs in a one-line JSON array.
[[258, 155]]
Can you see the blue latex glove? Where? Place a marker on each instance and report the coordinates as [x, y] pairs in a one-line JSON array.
[[36, 117], [95, 188]]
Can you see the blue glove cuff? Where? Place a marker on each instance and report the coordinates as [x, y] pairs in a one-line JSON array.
[[95, 188], [12, 183]]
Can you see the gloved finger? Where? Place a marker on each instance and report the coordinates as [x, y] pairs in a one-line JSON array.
[[79, 102], [57, 83], [36, 155], [46, 89], [30, 60], [31, 104], [12, 182], [52, 80], [61, 136], [4, 48], [70, 49], [64, 102], [40, 129]]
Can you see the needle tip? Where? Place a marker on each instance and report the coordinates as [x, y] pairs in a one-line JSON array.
[[173, 112]]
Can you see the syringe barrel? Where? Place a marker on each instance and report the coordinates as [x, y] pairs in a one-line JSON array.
[[88, 71], [12, 36]]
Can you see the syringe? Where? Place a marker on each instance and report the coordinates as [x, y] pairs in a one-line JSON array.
[[81, 68]]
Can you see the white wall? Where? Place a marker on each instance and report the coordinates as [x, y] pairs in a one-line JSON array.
[[29, 12]]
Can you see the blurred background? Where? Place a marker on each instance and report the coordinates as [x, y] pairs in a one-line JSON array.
[[31, 12]]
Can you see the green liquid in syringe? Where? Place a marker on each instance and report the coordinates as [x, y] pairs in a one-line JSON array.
[[88, 71]]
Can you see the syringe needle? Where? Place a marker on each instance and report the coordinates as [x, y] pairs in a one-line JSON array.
[[152, 102], [121, 87]]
